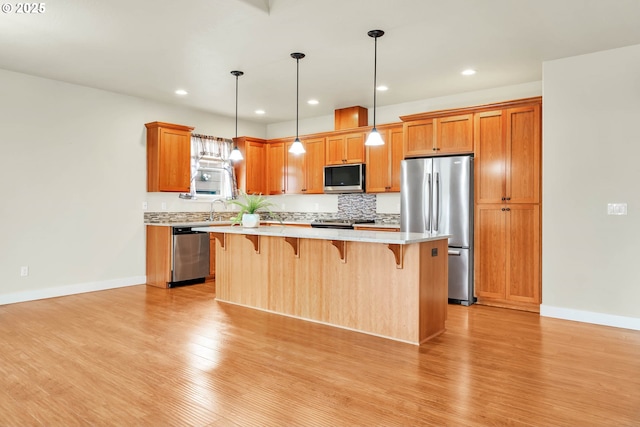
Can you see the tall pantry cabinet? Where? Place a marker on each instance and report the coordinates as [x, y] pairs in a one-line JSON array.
[[508, 152]]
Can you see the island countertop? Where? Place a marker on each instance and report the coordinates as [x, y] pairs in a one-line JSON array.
[[386, 237]]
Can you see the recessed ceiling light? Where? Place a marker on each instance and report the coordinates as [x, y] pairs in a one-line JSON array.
[[382, 88], [261, 112], [468, 72], [313, 102], [181, 92]]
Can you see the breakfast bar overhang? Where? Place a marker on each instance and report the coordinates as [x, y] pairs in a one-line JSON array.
[[389, 284]]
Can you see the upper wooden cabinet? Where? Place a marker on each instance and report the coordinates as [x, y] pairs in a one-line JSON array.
[[168, 157], [345, 148], [276, 170], [438, 136], [304, 172], [351, 117], [508, 155], [383, 161], [251, 171]]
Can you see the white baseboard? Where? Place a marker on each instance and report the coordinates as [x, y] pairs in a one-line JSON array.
[[71, 289], [590, 317]]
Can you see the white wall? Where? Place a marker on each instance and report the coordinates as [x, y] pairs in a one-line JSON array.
[[591, 155], [72, 182]]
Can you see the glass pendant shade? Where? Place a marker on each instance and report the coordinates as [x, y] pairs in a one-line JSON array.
[[235, 154], [374, 138], [297, 147]]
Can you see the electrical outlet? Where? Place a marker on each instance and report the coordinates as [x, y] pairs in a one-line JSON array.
[[24, 270], [164, 206], [616, 209], [145, 206], [316, 207]]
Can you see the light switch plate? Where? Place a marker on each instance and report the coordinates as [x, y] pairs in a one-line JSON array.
[[616, 209]]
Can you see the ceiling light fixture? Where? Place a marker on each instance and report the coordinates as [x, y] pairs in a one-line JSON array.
[[297, 147], [181, 92], [260, 112], [313, 102], [235, 154], [468, 72], [374, 137], [382, 88]]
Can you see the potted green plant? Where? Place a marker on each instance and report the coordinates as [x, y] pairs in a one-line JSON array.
[[249, 205]]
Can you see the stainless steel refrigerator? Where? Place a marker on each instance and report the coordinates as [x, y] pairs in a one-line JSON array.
[[436, 196]]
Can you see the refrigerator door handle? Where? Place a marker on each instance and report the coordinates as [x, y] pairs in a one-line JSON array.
[[436, 220], [427, 210], [454, 253]]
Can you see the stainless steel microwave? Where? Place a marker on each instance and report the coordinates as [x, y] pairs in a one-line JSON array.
[[344, 178]]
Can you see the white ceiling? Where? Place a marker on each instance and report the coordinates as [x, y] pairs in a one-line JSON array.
[[149, 48]]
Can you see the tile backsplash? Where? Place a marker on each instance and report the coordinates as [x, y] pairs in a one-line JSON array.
[[351, 206]]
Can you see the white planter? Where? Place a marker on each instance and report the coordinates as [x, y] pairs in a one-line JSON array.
[[250, 220]]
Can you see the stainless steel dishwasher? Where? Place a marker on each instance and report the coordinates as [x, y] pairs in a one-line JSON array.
[[190, 261]]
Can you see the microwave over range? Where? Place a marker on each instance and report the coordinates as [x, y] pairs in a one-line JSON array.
[[344, 178]]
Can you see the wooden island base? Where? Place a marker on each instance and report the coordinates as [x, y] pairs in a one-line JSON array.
[[393, 291]]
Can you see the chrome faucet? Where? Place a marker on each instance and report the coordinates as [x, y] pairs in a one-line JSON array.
[[211, 211]]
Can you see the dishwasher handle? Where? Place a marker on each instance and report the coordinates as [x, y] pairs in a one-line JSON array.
[[185, 230]]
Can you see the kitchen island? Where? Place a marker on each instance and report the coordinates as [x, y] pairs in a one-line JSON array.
[[389, 284]]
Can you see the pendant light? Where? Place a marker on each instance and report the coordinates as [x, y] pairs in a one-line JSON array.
[[374, 137], [235, 154], [297, 147]]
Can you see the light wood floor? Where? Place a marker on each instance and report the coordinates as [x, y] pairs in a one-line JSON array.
[[156, 357]]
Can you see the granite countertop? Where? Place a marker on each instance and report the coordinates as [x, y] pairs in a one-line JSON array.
[[190, 224], [387, 237], [227, 222]]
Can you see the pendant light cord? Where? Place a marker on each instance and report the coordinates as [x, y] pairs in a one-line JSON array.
[[237, 106], [375, 76], [297, 92]]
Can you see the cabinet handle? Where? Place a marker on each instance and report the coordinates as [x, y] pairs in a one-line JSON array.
[[508, 198], [434, 148], [504, 198], [502, 209]]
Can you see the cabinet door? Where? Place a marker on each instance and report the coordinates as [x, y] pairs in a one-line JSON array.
[[454, 134], [276, 170], [354, 148], [523, 253], [168, 157], [256, 159], [335, 150], [396, 145], [490, 251], [175, 165], [383, 162], [377, 171], [490, 157], [419, 138], [507, 252], [295, 172], [314, 164], [523, 147]]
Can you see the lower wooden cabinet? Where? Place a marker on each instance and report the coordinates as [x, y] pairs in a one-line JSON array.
[[212, 257], [507, 255]]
